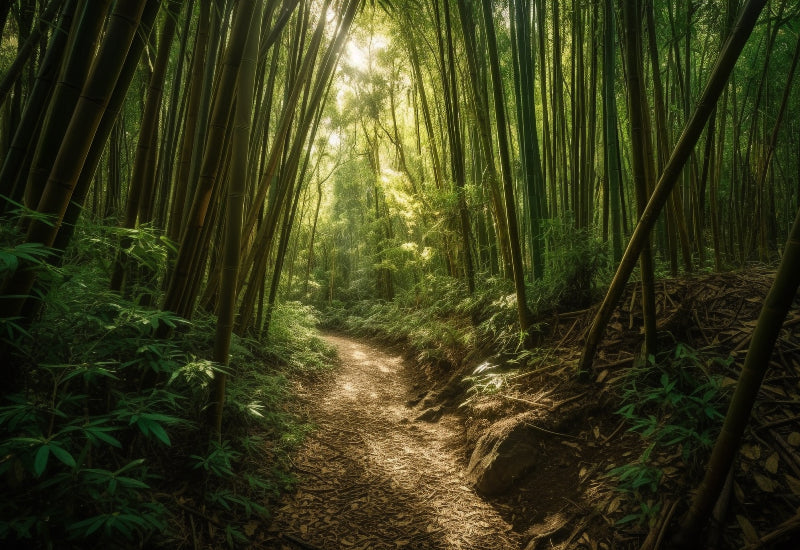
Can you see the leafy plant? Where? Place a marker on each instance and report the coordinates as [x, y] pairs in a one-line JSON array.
[[219, 459], [486, 378], [241, 494], [80, 444], [675, 404], [293, 339], [15, 254], [106, 421], [647, 511], [55, 459], [576, 260]]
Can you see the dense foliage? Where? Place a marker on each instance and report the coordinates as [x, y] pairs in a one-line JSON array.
[[95, 453], [182, 181]]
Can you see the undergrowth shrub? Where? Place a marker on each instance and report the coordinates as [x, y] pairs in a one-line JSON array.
[[437, 316], [577, 265], [495, 307], [94, 455], [293, 338], [430, 318], [76, 441], [675, 403], [16, 254]]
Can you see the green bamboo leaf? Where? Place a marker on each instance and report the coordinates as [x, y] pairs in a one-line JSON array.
[[160, 417], [40, 462], [63, 455], [8, 262], [160, 433], [629, 518], [96, 433], [131, 483], [129, 466], [96, 524]]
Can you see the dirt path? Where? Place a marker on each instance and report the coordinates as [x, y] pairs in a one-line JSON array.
[[372, 477]]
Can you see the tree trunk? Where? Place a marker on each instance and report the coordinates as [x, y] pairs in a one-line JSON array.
[[642, 162], [524, 314], [524, 64], [84, 34], [181, 292], [613, 169], [245, 28], [482, 120], [104, 131], [773, 313], [452, 112], [140, 188], [14, 173], [27, 47], [78, 139], [672, 171]]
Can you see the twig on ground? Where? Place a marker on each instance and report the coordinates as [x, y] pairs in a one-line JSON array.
[[617, 363], [665, 525], [566, 335], [788, 527], [781, 422], [788, 453], [656, 534], [569, 400], [200, 514], [615, 432], [539, 428], [526, 401]]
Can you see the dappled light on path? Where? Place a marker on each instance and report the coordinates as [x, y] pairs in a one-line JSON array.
[[374, 478]]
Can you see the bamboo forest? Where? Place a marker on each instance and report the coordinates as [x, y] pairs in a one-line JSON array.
[[400, 274]]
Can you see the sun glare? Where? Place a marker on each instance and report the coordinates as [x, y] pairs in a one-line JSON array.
[[358, 54], [357, 57]]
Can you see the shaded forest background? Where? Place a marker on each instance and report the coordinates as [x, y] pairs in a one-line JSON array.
[[188, 187]]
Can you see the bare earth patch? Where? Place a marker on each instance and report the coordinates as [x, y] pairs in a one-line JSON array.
[[372, 477]]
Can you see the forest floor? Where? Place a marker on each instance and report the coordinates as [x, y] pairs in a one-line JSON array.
[[381, 472], [372, 477]]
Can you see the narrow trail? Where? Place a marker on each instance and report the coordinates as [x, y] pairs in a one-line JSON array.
[[372, 477]]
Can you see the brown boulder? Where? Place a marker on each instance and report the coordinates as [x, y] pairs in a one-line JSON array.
[[507, 451]]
